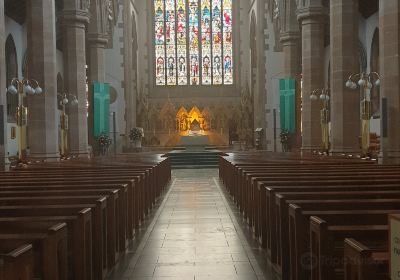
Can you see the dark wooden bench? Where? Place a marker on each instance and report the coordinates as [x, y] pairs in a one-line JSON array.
[[327, 243], [100, 223], [116, 193], [49, 242], [279, 229], [115, 226], [254, 184], [364, 263], [300, 231], [79, 223], [16, 261], [57, 190]]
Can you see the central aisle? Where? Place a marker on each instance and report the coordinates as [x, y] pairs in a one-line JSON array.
[[194, 235]]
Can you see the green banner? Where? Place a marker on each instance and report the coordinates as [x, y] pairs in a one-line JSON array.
[[287, 93], [101, 109]]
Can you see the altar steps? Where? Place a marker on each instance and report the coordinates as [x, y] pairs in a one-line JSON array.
[[185, 159]]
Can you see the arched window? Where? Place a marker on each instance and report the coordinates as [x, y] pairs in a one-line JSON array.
[[60, 90], [375, 91], [11, 72], [193, 42]]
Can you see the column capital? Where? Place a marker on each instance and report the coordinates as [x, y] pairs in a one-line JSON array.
[[97, 39], [75, 17], [289, 36], [312, 12]]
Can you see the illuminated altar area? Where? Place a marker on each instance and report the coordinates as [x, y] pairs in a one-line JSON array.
[[212, 121], [193, 127]]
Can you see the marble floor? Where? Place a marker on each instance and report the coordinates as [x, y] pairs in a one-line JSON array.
[[196, 233]]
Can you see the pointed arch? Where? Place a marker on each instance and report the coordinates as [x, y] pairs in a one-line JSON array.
[[60, 90], [11, 72], [374, 66], [253, 50]]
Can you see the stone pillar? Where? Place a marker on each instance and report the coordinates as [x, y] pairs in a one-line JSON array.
[[42, 120], [345, 113], [97, 42], [75, 18], [3, 86], [292, 54], [312, 26], [130, 93], [389, 45], [97, 45], [290, 39], [260, 98]]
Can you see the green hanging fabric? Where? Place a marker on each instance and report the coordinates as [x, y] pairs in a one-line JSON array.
[[101, 108], [287, 92]]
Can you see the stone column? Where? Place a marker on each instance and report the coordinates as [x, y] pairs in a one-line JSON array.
[[42, 120], [345, 113], [3, 98], [97, 42], [312, 26], [389, 45], [97, 45], [290, 39], [130, 93], [260, 97], [292, 54], [75, 18]]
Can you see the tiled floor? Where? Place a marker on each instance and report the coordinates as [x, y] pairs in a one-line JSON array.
[[195, 234]]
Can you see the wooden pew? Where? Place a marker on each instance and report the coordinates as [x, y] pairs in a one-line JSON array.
[[138, 203], [278, 228], [114, 226], [30, 190], [99, 211], [79, 224], [248, 182], [364, 263], [298, 228], [81, 188], [16, 262], [327, 245], [49, 242]]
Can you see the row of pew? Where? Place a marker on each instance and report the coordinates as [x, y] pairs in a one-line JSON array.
[[74, 219], [316, 217]]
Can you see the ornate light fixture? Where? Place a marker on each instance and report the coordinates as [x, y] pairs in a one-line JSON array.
[[323, 95], [23, 88], [365, 82], [71, 100]]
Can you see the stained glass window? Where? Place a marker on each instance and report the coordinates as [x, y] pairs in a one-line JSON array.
[[193, 42]]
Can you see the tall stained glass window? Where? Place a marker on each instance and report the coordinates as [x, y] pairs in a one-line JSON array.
[[193, 42]]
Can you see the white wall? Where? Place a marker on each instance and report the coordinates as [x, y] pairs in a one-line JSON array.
[[370, 25], [18, 32]]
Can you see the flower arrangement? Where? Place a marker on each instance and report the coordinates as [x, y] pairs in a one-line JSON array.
[[285, 140], [104, 140], [136, 134]]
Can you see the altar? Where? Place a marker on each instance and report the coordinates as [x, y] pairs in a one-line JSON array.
[[194, 141]]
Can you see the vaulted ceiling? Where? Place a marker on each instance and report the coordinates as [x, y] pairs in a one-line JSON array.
[[368, 7], [16, 9]]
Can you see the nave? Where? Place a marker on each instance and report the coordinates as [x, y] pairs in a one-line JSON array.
[[197, 233]]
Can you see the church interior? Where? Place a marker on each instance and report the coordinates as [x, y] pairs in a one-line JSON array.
[[199, 139]]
